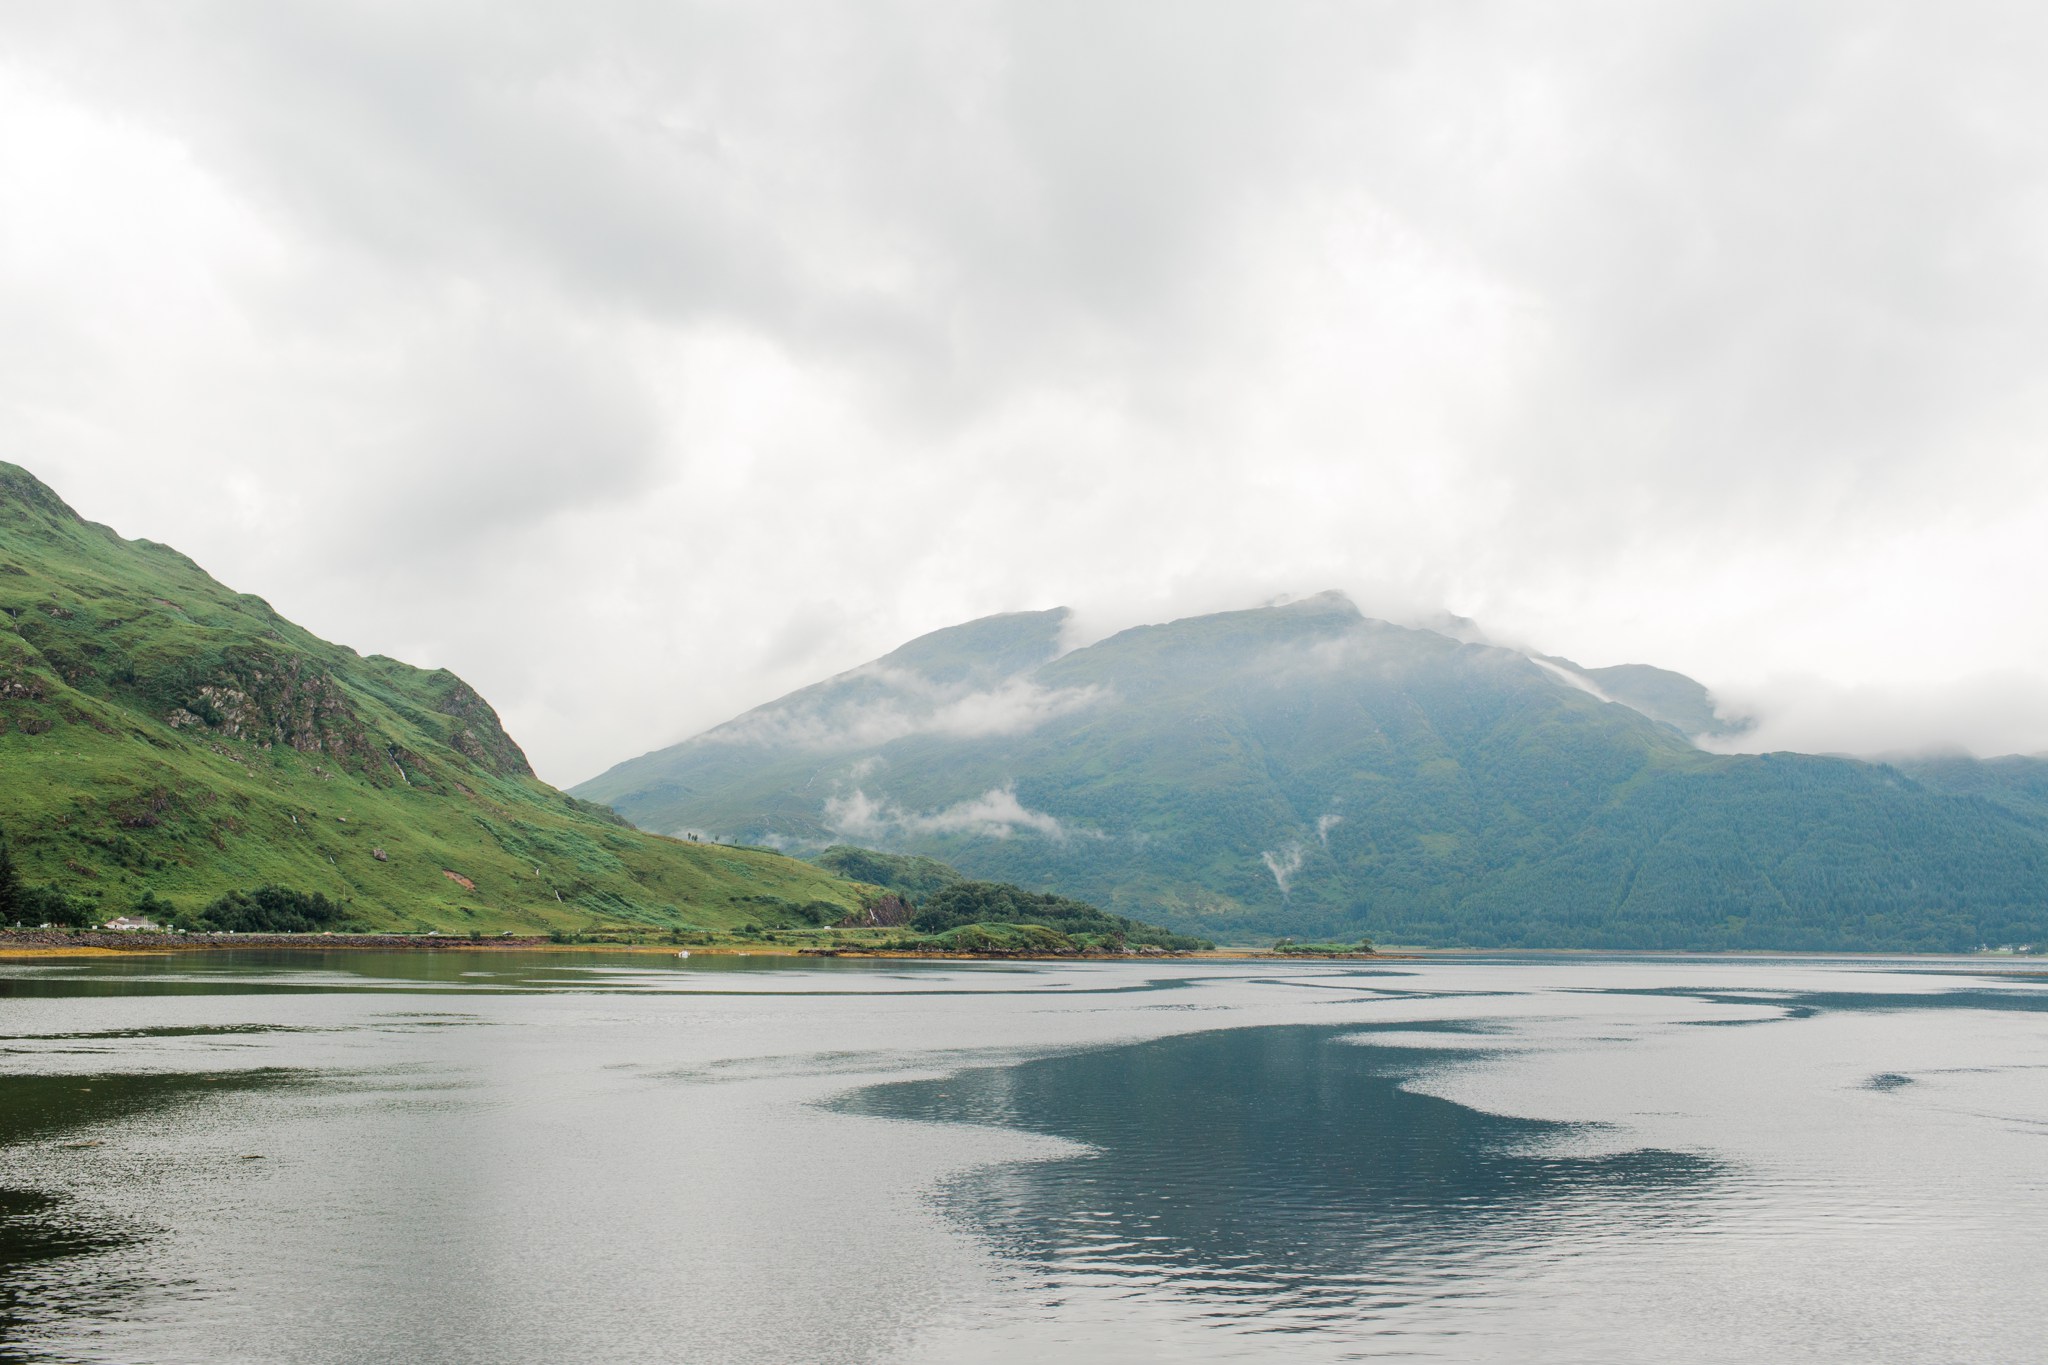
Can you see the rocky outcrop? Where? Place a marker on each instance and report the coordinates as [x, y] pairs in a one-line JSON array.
[[885, 911], [143, 810], [478, 734], [21, 687], [276, 699], [22, 691]]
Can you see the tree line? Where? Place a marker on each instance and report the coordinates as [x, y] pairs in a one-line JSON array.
[[263, 910]]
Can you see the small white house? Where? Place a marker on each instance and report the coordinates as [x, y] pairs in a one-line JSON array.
[[129, 922]]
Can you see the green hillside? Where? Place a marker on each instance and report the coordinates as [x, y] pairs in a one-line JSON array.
[[910, 877], [161, 733], [1304, 770]]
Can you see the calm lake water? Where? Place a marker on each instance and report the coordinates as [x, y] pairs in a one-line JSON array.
[[469, 1157]]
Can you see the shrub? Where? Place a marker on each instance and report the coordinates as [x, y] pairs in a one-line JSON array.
[[908, 876], [1290, 948], [1008, 940], [270, 910], [48, 905], [11, 888], [1001, 903]]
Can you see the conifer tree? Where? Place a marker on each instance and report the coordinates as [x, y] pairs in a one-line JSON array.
[[12, 897]]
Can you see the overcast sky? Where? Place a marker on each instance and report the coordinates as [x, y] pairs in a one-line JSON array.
[[641, 362]]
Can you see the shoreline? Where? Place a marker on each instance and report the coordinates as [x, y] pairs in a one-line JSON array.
[[48, 943], [29, 944], [44, 944]]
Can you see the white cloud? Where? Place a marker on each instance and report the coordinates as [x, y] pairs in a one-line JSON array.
[[911, 705], [995, 814], [644, 363], [1988, 714]]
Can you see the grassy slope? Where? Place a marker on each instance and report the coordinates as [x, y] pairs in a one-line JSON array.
[[160, 731]]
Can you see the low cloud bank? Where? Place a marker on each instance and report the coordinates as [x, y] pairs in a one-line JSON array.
[[911, 704], [995, 814], [1985, 715]]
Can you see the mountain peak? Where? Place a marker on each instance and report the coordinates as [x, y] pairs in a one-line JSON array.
[[23, 495], [989, 647], [1330, 601]]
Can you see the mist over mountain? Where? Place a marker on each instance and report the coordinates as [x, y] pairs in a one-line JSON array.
[[1304, 769]]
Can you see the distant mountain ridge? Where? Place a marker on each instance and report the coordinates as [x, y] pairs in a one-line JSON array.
[[161, 733], [1303, 769]]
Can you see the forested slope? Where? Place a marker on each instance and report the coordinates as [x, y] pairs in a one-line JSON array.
[[1302, 769]]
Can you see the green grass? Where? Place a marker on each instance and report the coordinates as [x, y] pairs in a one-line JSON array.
[[160, 732]]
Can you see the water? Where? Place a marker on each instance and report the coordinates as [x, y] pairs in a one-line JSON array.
[[478, 1157]]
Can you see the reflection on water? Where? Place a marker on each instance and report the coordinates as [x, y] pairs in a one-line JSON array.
[[476, 1157], [488, 972], [273, 971], [1282, 1175]]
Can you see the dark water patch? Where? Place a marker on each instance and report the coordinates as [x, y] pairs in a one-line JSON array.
[[36, 1231], [1887, 1080], [39, 1107], [420, 1020], [1789, 1005], [76, 988], [2022, 1000], [1807, 1004], [167, 1031], [1275, 1171], [46, 1232]]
